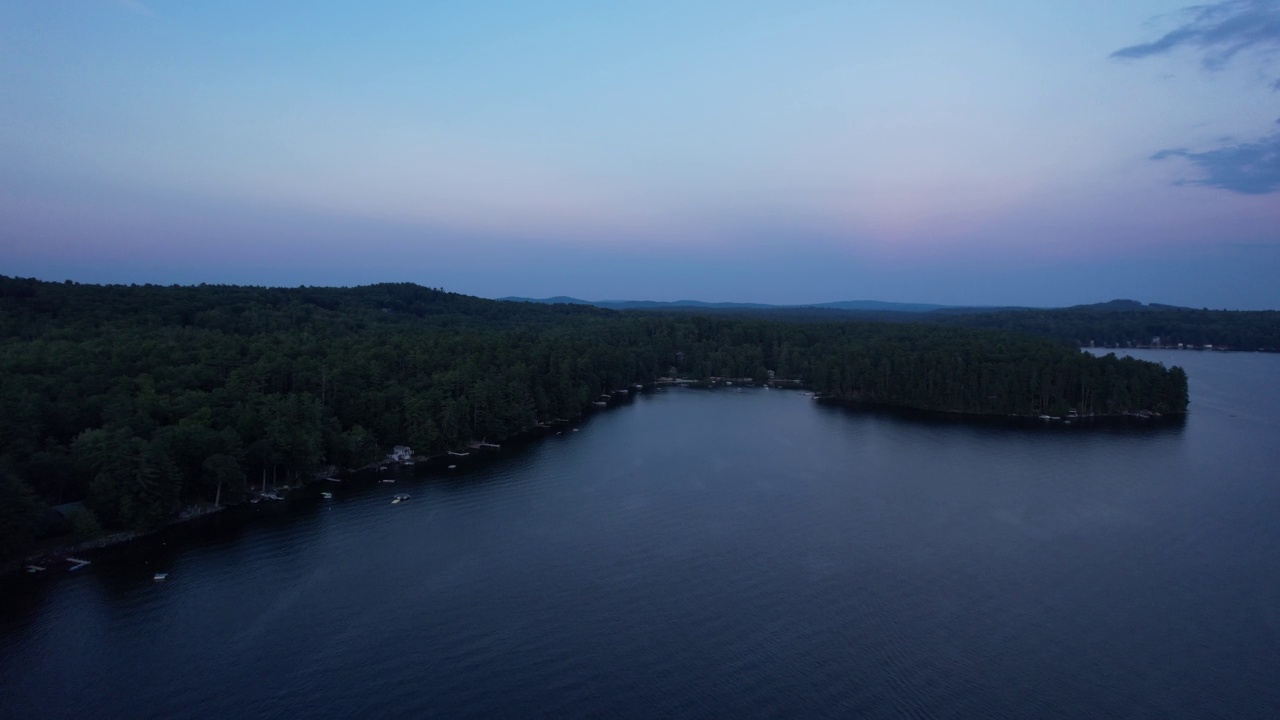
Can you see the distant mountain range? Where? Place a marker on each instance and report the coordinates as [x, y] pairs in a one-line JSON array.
[[873, 305], [849, 305]]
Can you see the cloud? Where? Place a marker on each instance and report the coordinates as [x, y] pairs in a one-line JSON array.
[[1220, 31], [1252, 168]]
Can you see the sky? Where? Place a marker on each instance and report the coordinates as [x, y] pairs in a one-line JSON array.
[[959, 152]]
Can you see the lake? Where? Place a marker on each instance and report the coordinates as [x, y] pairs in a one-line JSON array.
[[712, 553]]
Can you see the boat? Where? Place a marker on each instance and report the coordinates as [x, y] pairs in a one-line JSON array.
[[76, 563], [34, 569], [452, 467], [399, 498], [160, 576], [388, 480], [326, 495]]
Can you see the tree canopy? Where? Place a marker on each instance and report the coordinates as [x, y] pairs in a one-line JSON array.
[[138, 399]]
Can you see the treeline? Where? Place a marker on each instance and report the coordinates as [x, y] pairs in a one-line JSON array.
[[1121, 325], [139, 400]]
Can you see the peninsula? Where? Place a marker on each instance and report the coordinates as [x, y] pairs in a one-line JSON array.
[[139, 400]]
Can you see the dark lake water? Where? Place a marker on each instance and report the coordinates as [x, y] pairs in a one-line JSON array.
[[716, 554]]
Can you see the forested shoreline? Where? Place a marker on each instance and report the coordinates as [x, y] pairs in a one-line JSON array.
[[1115, 324], [1129, 324], [138, 400]]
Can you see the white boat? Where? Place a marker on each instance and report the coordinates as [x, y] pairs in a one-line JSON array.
[[326, 495], [34, 569], [452, 467], [388, 480], [399, 498], [160, 576]]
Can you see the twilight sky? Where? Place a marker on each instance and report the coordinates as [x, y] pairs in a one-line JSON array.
[[960, 152]]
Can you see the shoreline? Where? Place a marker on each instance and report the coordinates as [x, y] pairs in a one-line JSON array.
[[1141, 418], [477, 449], [61, 555]]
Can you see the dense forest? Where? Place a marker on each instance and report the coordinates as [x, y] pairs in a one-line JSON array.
[[139, 400]]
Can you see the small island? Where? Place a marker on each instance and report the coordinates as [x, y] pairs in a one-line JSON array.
[[134, 404]]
